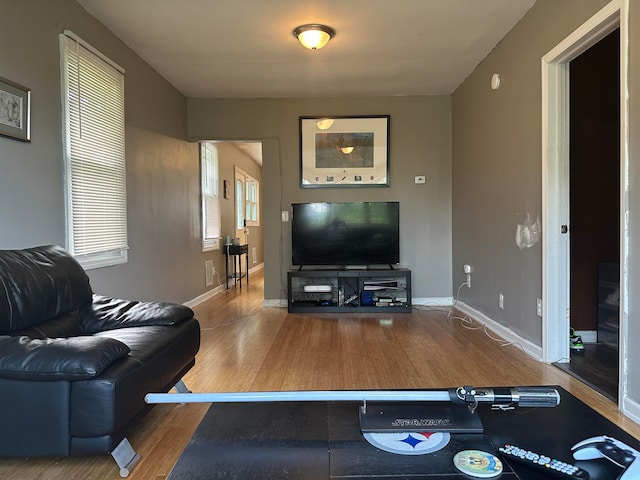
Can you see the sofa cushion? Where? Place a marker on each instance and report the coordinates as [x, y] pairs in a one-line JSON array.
[[38, 284], [159, 356], [63, 326], [106, 313], [74, 358]]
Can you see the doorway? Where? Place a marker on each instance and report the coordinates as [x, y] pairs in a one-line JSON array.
[[245, 166], [594, 213], [556, 168]]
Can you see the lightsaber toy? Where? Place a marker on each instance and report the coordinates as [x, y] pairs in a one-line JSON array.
[[521, 396]]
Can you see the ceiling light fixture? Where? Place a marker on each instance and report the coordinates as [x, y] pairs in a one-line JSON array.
[[325, 123], [313, 35]]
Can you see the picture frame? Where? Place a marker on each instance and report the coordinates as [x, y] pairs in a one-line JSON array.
[[344, 151], [15, 110]]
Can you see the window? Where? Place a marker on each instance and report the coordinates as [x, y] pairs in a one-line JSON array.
[[94, 155], [247, 201], [239, 202], [211, 229], [251, 202]]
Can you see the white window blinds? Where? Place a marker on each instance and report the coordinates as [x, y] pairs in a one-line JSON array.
[[211, 229], [94, 139]]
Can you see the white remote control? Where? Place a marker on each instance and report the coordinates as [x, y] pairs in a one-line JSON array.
[[543, 463]]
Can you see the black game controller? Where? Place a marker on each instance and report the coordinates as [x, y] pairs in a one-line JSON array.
[[613, 450]]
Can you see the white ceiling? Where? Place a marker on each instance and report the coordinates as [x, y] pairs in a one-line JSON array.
[[245, 48], [253, 150]]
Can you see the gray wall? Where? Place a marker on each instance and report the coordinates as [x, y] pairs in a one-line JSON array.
[[497, 167], [497, 172], [420, 144], [165, 261]]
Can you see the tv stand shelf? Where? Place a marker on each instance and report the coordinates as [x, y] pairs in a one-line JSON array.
[[349, 290]]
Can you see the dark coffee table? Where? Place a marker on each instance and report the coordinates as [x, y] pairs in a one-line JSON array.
[[322, 440]]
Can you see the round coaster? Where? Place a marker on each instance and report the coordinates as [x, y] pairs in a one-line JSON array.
[[477, 463], [413, 443]]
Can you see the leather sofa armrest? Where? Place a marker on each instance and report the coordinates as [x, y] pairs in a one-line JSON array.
[[73, 358], [106, 313]]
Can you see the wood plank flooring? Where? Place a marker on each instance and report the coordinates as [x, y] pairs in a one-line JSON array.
[[597, 366], [247, 347]]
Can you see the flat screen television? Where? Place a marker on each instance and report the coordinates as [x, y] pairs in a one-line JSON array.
[[345, 234]]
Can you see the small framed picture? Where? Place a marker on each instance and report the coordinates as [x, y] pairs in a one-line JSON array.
[[15, 106]]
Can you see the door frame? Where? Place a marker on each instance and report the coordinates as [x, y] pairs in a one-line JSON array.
[[555, 181]]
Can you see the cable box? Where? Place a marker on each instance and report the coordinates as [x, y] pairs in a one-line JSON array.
[[317, 288]]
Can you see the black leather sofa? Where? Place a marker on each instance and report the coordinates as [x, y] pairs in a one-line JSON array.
[[75, 366]]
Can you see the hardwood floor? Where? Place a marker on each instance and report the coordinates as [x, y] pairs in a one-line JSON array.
[[247, 347], [597, 366]]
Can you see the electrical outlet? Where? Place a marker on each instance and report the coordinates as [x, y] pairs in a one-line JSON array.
[[539, 307], [468, 269], [501, 301], [209, 272]]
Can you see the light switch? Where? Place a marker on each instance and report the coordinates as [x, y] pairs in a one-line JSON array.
[[420, 179], [285, 216]]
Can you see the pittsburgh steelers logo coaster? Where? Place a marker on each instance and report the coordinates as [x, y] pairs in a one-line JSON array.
[[477, 463], [408, 443]]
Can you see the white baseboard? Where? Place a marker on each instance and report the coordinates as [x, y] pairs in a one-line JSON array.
[[256, 268], [432, 302], [219, 289], [204, 297], [588, 336], [631, 409], [507, 334], [275, 303]]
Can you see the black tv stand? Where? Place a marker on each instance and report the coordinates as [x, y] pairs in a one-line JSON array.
[[345, 290]]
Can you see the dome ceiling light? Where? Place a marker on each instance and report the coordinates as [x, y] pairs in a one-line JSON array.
[[313, 35]]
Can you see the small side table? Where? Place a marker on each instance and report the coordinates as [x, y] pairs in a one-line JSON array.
[[236, 252]]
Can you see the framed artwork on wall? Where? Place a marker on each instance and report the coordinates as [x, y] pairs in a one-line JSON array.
[[15, 106], [344, 151]]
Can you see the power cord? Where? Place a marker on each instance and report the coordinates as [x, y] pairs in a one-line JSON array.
[[218, 278], [465, 321], [468, 323]]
